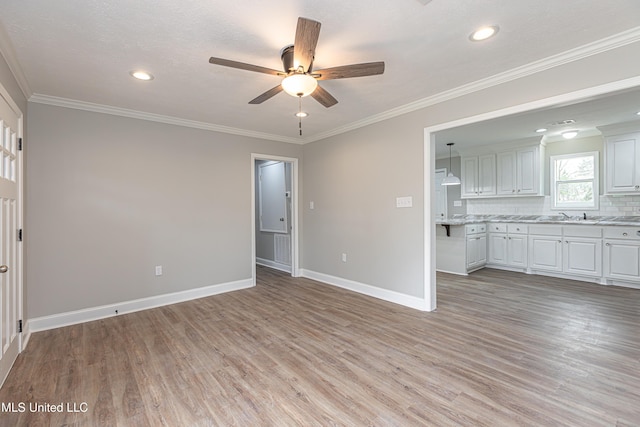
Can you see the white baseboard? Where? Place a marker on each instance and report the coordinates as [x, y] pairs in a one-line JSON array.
[[272, 264], [372, 291], [101, 312]]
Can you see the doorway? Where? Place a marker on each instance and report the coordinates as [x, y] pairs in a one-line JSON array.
[[274, 198]]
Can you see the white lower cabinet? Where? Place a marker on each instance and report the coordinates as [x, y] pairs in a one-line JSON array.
[[622, 254], [582, 251], [508, 245], [546, 252], [476, 246]]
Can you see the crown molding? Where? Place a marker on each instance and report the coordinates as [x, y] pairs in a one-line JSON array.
[[585, 51], [141, 115], [9, 54]]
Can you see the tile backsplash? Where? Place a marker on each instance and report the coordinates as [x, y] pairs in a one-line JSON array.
[[609, 206]]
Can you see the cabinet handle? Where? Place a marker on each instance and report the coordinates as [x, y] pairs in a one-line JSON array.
[[513, 191], [607, 244], [559, 241], [518, 190], [624, 234], [566, 241], [517, 229], [637, 186]]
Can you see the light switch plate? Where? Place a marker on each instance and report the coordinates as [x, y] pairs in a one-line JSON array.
[[457, 203], [404, 202]]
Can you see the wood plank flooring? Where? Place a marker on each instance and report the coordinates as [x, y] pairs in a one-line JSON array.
[[503, 349]]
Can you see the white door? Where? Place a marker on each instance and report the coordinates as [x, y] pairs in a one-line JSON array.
[[273, 198], [497, 248], [10, 221], [622, 260], [527, 171], [441, 195]]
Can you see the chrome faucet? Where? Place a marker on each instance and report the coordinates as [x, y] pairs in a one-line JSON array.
[[565, 215]]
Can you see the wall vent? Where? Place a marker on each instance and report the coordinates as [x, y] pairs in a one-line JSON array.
[[282, 248]]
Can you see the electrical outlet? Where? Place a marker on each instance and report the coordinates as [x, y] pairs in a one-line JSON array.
[[158, 270], [344, 257]]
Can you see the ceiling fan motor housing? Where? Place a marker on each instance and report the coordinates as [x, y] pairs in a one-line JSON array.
[[286, 54]]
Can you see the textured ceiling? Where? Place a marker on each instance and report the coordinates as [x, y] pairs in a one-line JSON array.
[[83, 50]]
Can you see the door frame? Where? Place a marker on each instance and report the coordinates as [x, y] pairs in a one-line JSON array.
[[429, 164], [295, 235]]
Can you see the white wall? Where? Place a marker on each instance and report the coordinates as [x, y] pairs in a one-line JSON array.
[[111, 197]]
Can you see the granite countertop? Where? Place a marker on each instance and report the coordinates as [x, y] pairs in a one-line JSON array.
[[542, 219]]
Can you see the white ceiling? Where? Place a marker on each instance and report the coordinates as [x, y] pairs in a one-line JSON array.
[[83, 50]]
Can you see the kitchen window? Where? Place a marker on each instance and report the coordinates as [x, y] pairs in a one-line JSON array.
[[574, 181]]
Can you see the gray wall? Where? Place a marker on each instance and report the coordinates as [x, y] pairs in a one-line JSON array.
[[112, 197], [109, 197], [354, 177]]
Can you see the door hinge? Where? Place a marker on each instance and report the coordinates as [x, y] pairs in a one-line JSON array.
[[20, 235], [19, 144], [20, 326]]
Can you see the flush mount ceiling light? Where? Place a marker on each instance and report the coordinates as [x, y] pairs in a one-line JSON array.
[[302, 114], [141, 75], [570, 134], [299, 84], [451, 179], [484, 33], [541, 130]]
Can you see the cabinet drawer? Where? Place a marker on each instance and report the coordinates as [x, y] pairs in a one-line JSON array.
[[517, 228], [545, 230], [631, 233], [582, 231], [497, 228], [475, 228]]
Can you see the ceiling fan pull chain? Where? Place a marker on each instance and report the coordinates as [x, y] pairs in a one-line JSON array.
[[300, 114]]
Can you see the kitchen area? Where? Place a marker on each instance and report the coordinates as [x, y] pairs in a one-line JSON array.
[[551, 192]]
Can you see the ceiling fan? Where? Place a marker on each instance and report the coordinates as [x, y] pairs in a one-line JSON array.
[[299, 77]]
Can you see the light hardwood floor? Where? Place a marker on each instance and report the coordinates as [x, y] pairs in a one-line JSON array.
[[503, 349]]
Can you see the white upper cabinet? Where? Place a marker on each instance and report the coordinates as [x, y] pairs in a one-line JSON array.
[[622, 164], [503, 173], [478, 176], [519, 172]]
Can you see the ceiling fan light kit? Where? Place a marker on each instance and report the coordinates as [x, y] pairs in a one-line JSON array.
[[299, 84]]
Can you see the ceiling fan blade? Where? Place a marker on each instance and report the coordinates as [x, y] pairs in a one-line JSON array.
[[268, 94], [304, 46], [243, 66], [324, 97], [347, 71]]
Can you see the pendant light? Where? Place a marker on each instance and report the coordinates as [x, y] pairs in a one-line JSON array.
[[451, 179]]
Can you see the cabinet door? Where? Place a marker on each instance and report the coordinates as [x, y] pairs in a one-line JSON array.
[[506, 173], [582, 256], [498, 248], [517, 250], [482, 249], [527, 171], [622, 260], [469, 177], [487, 175], [545, 253], [622, 170], [476, 251]]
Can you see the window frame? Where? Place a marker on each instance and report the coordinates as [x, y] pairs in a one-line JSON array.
[[595, 182]]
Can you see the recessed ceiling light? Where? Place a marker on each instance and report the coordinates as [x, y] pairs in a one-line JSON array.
[[301, 114], [484, 33], [141, 75], [570, 134], [541, 130], [638, 113]]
